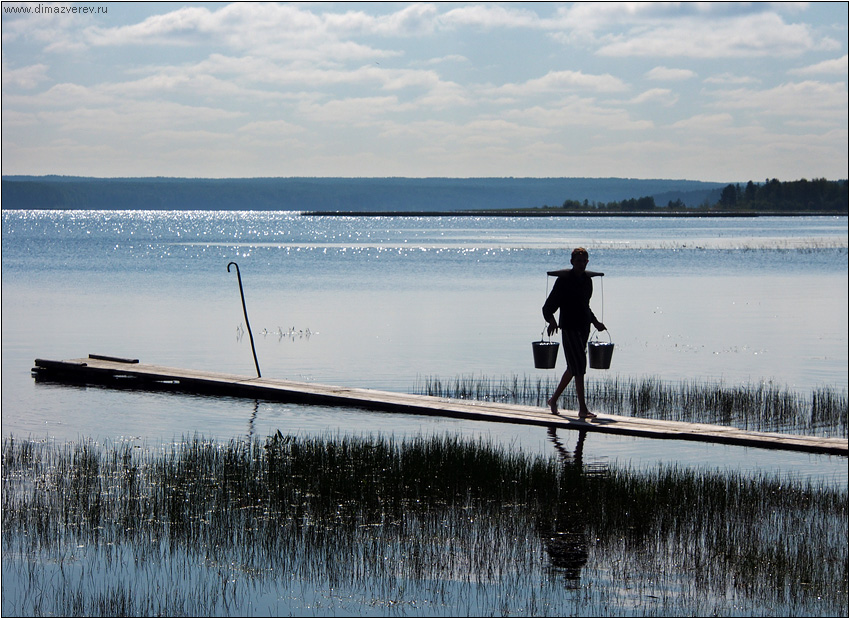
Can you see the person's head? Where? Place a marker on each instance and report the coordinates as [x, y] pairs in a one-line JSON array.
[[579, 257]]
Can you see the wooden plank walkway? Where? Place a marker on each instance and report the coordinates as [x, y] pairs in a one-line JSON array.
[[130, 374]]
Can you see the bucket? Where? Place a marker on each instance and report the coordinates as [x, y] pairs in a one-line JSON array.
[[599, 353], [545, 354]]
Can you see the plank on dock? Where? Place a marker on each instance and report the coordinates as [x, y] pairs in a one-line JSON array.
[[130, 374]]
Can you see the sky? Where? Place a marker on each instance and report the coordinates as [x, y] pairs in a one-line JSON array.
[[724, 92]]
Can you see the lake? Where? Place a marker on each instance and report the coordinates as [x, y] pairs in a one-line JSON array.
[[383, 302]]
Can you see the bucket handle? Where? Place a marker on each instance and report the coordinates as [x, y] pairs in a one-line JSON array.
[[595, 333]]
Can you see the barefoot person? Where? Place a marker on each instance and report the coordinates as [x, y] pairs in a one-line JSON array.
[[571, 295]]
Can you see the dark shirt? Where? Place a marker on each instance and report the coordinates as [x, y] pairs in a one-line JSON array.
[[571, 294]]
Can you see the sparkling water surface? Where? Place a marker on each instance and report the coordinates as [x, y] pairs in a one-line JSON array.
[[385, 302]]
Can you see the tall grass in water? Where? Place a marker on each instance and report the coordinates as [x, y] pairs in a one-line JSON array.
[[424, 527], [765, 406]]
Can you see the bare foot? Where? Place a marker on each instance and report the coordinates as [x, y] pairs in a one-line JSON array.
[[586, 415], [553, 406]]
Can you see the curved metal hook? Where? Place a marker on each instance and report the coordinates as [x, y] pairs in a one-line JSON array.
[[245, 313]]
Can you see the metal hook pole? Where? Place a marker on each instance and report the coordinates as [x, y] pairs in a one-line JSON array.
[[245, 312]]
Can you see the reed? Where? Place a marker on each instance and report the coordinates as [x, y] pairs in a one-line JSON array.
[[763, 406], [425, 526]]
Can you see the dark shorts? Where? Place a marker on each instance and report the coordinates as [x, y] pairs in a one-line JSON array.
[[575, 350]]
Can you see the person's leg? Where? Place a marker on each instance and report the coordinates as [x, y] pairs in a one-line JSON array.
[[583, 411], [574, 343], [553, 401]]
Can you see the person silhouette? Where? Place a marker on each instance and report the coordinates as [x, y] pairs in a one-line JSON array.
[[571, 297]]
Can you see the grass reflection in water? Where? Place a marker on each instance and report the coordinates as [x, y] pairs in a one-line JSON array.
[[420, 527]]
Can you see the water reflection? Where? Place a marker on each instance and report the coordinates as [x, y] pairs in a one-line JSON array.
[[574, 458], [253, 419], [380, 318], [564, 535]]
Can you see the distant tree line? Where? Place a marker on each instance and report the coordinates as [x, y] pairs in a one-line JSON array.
[[803, 195], [646, 203], [818, 195]]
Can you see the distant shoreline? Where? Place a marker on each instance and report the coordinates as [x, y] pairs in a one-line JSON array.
[[431, 197], [566, 213]]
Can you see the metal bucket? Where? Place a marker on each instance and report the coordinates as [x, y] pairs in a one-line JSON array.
[[545, 354], [599, 354]]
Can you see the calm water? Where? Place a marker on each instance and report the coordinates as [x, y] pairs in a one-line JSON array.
[[380, 302]]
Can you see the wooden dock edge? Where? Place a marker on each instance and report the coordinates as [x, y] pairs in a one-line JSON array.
[[120, 373]]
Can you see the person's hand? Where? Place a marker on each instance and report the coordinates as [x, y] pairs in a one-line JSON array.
[[552, 328], [599, 326]]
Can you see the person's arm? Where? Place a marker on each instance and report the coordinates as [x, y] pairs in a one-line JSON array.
[[549, 309], [593, 319]]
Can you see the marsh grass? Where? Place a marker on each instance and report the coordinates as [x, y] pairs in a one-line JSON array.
[[765, 406], [420, 527]]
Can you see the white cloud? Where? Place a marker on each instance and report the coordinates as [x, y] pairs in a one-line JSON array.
[[172, 28], [759, 35], [563, 81], [186, 138], [489, 16], [271, 30], [195, 86], [793, 99], [353, 111], [835, 66], [665, 74], [705, 122], [579, 112], [483, 130], [730, 78], [116, 127], [590, 17], [274, 128], [664, 96], [28, 77], [18, 118], [416, 19], [446, 95], [448, 58], [63, 95]]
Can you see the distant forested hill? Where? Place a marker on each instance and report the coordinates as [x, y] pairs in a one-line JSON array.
[[337, 194]]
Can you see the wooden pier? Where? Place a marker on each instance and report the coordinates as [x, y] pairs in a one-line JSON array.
[[130, 374]]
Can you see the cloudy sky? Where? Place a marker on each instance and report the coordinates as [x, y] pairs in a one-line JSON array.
[[704, 91]]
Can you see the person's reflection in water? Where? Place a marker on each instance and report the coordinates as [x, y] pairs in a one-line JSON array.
[[564, 535], [569, 459]]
